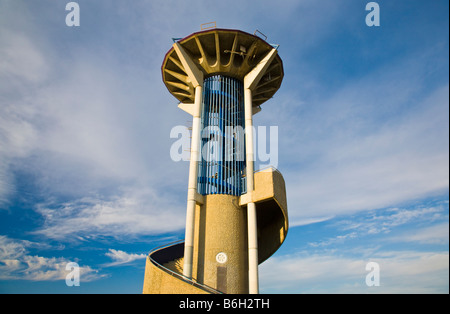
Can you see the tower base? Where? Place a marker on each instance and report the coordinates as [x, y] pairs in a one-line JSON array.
[[220, 227], [220, 254]]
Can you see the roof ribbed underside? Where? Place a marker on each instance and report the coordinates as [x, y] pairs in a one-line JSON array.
[[231, 53]]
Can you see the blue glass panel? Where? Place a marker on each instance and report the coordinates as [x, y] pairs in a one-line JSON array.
[[223, 142]]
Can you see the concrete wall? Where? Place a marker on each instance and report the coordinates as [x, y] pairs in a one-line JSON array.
[[221, 228], [157, 281]]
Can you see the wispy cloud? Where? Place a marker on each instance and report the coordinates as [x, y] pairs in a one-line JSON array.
[[350, 160], [132, 213], [96, 147], [89, 113], [409, 244], [120, 257], [436, 234], [423, 225], [335, 240], [22, 65], [383, 221]]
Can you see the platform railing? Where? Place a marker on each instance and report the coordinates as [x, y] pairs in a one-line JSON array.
[[244, 178]]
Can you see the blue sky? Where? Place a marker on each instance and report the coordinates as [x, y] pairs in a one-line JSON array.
[[363, 122]]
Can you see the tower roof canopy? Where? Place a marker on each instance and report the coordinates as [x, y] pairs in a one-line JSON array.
[[227, 52]]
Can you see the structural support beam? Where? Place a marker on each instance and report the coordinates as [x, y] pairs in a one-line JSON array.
[[196, 78], [189, 108], [253, 276], [251, 207], [252, 78], [248, 114], [193, 72], [192, 186]]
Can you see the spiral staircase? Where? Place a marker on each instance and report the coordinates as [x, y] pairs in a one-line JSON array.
[[164, 264]]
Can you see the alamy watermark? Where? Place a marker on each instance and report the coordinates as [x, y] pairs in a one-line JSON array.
[[73, 17], [373, 18], [373, 277], [229, 142], [73, 277]]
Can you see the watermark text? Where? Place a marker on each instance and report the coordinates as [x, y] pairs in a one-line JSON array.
[[227, 144], [373, 277], [73, 278]]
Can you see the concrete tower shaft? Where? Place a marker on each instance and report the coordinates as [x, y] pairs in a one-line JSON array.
[[235, 218]]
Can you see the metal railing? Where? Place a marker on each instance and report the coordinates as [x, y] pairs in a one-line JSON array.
[[244, 178], [272, 168], [174, 273], [209, 25]]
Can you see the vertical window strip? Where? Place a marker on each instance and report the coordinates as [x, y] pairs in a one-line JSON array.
[[222, 162]]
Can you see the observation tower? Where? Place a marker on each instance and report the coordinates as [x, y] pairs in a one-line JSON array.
[[236, 217]]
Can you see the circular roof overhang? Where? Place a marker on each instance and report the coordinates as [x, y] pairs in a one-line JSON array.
[[226, 52]]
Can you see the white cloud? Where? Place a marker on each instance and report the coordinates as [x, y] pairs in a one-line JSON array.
[[120, 257], [436, 234], [383, 221], [410, 245], [374, 141], [356, 162], [19, 58], [422, 225], [333, 241], [133, 213], [17, 264], [21, 66], [304, 273], [82, 121], [400, 272]]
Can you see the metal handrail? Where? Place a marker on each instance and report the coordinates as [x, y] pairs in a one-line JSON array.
[[178, 275], [267, 168], [244, 178], [164, 246]]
